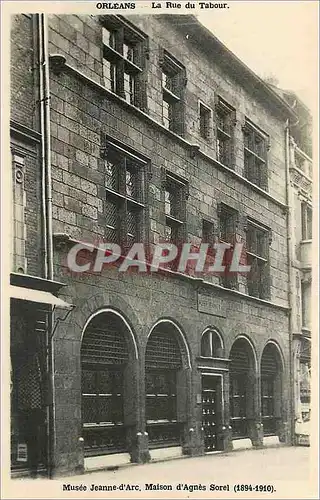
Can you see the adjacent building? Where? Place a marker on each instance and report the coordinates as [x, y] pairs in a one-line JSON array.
[[148, 129]]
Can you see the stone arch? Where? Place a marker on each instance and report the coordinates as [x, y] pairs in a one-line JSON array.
[[110, 383], [129, 329], [167, 377], [212, 345], [243, 386], [181, 338], [271, 373]]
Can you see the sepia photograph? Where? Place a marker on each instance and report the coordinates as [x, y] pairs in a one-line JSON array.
[[159, 249]]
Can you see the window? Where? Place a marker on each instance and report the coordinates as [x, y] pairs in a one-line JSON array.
[[19, 261], [306, 304], [306, 221], [211, 344], [228, 223], [125, 179], [225, 119], [208, 235], [175, 194], [255, 155], [124, 48], [257, 258], [173, 82], [205, 120]]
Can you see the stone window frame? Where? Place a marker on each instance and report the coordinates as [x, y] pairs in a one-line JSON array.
[[257, 251], [306, 221], [226, 212], [18, 159], [205, 120], [116, 192], [176, 219], [173, 83], [225, 116], [215, 344], [125, 53], [256, 144]]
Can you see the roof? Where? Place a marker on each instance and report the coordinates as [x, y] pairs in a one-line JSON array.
[[210, 44]]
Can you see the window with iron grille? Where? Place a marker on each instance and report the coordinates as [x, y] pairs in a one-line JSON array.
[[175, 194], [163, 360], [204, 120], [228, 223], [255, 155], [173, 83], [225, 120], [124, 49], [257, 245], [125, 181], [306, 221]]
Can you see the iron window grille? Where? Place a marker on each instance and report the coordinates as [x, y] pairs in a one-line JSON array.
[[256, 146], [238, 404], [257, 242], [175, 196], [125, 177], [124, 59], [173, 82], [225, 122]]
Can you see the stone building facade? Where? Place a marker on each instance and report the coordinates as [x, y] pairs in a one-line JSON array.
[[153, 140]]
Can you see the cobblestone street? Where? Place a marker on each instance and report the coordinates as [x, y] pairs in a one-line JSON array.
[[284, 469]]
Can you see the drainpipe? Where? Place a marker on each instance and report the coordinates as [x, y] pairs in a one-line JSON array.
[[44, 93], [47, 145], [43, 150], [289, 204]]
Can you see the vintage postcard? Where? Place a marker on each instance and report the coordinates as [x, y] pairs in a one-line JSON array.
[[159, 253]]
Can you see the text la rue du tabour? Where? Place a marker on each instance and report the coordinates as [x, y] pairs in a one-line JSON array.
[[189, 5]]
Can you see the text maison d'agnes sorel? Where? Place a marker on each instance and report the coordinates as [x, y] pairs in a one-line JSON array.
[[147, 487]]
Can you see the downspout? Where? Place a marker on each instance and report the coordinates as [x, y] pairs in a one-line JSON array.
[[43, 150], [289, 204], [44, 92], [47, 145]]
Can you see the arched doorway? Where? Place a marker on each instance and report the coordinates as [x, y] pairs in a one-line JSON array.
[[166, 386], [271, 388], [242, 387], [108, 388], [211, 389]]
